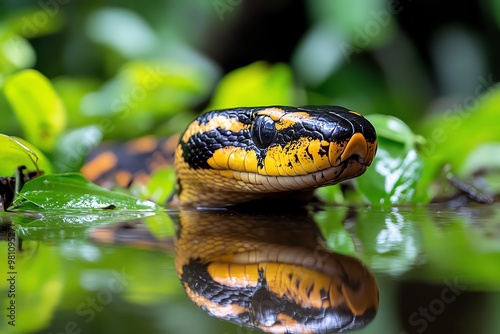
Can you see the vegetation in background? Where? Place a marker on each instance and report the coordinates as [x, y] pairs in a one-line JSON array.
[[155, 81], [76, 73]]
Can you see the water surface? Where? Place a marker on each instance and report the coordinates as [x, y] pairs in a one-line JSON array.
[[437, 269]]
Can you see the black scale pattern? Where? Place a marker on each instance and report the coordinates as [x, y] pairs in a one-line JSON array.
[[329, 123]]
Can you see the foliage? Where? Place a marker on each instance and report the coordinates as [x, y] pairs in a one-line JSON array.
[[18, 152], [72, 192], [37, 107], [73, 74], [149, 87], [397, 167], [257, 84]]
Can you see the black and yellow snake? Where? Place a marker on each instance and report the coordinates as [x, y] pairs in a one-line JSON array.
[[238, 155], [269, 272]]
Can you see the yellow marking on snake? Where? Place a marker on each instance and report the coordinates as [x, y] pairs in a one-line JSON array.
[[274, 113], [222, 122], [143, 145], [357, 145], [282, 119], [289, 120], [123, 178], [101, 164], [291, 160]]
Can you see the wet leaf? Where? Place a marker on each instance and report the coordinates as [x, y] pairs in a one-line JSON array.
[[71, 191], [61, 268], [392, 128], [160, 186], [394, 174], [75, 225], [37, 107]]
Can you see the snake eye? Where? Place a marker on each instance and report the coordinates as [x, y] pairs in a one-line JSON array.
[[263, 131]]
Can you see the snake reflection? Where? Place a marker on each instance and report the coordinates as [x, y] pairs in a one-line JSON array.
[[270, 272]]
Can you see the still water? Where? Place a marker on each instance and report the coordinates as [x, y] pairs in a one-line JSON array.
[[392, 270]]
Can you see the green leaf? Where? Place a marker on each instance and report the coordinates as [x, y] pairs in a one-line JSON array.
[[494, 8], [392, 128], [332, 194], [485, 161], [15, 152], [17, 54], [37, 107], [393, 176], [71, 191], [159, 188], [146, 92], [396, 169], [453, 134], [312, 66], [257, 84], [73, 147], [160, 225]]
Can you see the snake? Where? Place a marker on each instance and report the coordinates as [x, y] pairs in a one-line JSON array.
[[239, 155], [272, 273]]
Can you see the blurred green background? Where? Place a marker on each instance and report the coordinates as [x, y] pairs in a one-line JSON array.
[[118, 70], [404, 58]]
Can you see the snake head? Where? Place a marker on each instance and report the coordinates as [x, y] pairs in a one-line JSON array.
[[236, 155]]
